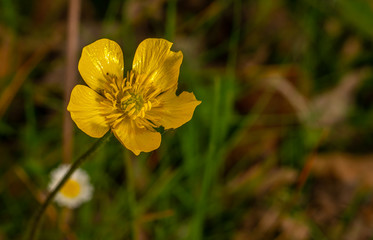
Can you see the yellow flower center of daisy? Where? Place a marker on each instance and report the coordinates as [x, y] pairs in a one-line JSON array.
[[71, 189], [131, 98]]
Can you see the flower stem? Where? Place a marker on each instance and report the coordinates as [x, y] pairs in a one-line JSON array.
[[38, 216]]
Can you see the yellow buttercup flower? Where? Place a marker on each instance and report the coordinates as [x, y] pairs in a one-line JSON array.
[[135, 105]]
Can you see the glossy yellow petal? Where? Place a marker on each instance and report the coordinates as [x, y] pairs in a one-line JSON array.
[[101, 61], [173, 111], [158, 63], [136, 139], [87, 111]]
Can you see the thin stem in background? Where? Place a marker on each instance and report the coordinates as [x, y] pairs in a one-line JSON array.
[[210, 167], [219, 124], [71, 75], [36, 220], [23, 72], [171, 20], [131, 196]]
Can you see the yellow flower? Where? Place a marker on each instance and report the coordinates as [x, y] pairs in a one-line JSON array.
[[135, 105]]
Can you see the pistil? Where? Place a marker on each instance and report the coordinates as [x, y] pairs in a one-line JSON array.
[[129, 100]]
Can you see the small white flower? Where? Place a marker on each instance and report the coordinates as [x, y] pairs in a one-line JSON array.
[[75, 191]]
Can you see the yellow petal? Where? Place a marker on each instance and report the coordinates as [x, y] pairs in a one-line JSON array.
[[158, 63], [87, 111], [101, 61], [137, 139], [173, 111]]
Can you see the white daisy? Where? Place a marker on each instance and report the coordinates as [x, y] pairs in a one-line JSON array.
[[75, 191]]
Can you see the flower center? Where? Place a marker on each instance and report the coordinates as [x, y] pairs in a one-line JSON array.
[[71, 189], [130, 98], [133, 105]]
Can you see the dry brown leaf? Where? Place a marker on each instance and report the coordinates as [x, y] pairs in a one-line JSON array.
[[277, 178], [331, 107], [272, 223], [293, 229], [325, 110], [269, 180], [350, 169]]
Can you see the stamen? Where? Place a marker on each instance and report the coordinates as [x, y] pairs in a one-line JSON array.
[[124, 99], [131, 112], [116, 122], [130, 98], [155, 93], [108, 96], [142, 113]]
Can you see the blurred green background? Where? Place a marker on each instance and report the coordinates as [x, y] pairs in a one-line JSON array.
[[280, 148]]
